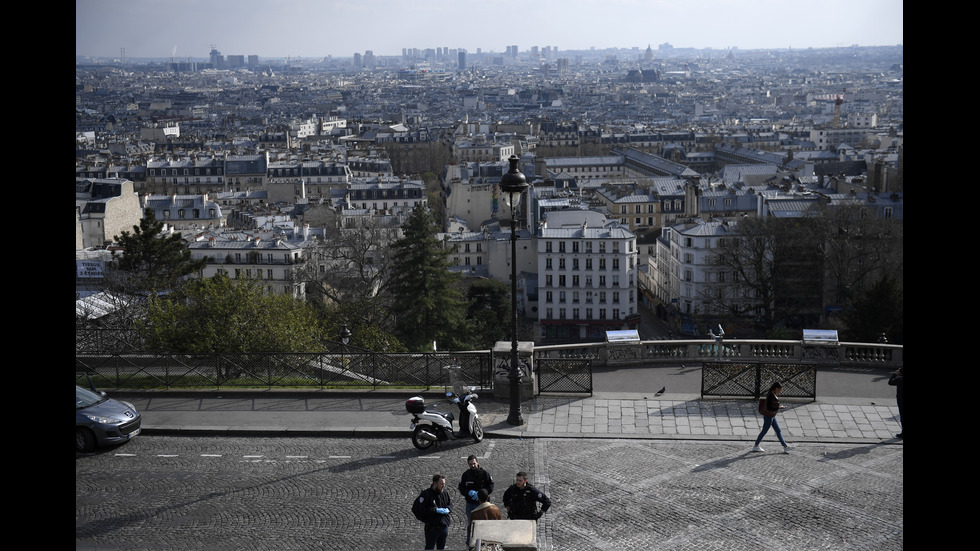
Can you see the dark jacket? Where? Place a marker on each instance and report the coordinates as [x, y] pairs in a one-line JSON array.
[[772, 404], [897, 381], [522, 504], [429, 500], [475, 480]]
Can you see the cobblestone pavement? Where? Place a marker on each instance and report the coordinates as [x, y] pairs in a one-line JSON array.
[[166, 492], [862, 420]]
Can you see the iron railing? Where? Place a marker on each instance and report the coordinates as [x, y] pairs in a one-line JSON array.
[[117, 359]]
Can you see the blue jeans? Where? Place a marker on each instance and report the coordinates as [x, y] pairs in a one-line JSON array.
[[770, 422], [435, 536], [469, 525]]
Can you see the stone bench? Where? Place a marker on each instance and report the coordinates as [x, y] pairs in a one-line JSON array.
[[512, 535]]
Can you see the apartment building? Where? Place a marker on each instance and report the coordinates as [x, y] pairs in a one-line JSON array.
[[185, 212], [185, 176], [274, 260], [104, 208], [830, 138], [636, 209], [481, 151], [683, 275], [587, 281]]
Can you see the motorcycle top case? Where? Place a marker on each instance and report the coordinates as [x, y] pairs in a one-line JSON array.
[[415, 404]]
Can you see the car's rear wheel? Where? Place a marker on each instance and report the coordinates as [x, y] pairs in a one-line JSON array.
[[84, 440]]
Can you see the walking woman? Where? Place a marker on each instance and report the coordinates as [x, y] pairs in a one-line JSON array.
[[769, 412]]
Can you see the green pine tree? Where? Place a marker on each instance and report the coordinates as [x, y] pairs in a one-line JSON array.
[[427, 300], [152, 261]]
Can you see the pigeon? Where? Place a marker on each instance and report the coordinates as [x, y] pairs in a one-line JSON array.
[[662, 390]]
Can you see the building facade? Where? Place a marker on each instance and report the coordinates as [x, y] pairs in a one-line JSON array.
[[587, 282]]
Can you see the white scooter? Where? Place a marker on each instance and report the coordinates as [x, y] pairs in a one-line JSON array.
[[429, 427]]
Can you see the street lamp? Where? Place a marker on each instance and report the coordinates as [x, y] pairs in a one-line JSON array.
[[344, 339], [513, 184]]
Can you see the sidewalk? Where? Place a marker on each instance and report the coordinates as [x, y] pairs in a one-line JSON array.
[[602, 415]]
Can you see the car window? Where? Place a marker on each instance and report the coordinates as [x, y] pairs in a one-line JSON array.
[[85, 398]]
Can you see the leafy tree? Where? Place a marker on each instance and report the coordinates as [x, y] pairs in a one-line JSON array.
[[224, 315], [152, 261], [427, 301], [360, 318]]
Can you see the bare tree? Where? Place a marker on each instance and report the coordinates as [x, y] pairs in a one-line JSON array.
[[765, 273], [351, 266], [858, 249]]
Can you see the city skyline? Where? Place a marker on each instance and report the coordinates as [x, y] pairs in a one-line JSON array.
[[182, 29]]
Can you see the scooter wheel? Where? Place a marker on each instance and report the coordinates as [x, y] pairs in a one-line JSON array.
[[418, 441], [477, 430]]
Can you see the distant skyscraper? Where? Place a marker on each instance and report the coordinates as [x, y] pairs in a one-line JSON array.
[[462, 61], [216, 59]]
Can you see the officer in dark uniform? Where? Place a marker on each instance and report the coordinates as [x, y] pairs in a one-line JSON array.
[[474, 479], [521, 500]]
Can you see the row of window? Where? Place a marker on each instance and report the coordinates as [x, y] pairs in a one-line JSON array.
[[599, 296], [587, 246], [562, 264], [588, 279], [563, 313], [196, 214]]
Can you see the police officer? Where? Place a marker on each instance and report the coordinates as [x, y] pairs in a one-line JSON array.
[[521, 500], [474, 479], [433, 507]]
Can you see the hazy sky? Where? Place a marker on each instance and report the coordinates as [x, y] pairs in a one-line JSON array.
[[318, 28]]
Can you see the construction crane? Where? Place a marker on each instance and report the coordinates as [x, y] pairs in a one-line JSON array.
[[838, 100]]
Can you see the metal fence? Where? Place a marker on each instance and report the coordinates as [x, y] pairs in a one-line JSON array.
[[327, 370], [752, 379]]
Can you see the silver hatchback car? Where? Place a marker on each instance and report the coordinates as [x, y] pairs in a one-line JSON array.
[[102, 421]]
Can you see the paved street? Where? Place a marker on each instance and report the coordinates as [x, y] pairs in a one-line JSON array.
[[625, 470], [167, 492]]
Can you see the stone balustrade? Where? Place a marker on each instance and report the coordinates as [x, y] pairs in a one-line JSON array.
[[672, 351]]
